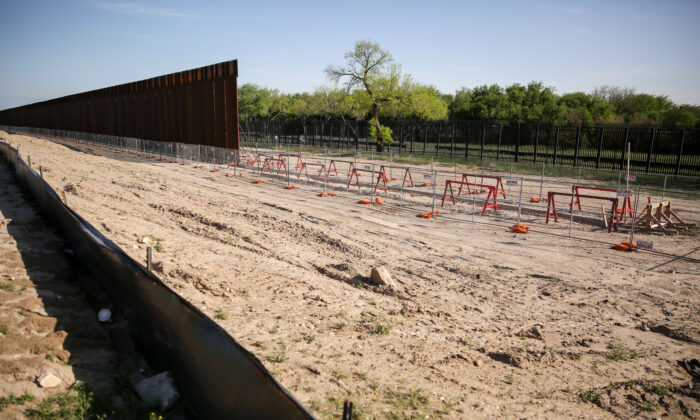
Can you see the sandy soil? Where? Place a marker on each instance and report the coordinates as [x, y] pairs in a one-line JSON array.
[[482, 323], [46, 322]]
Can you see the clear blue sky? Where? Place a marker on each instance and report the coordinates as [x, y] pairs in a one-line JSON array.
[[55, 48]]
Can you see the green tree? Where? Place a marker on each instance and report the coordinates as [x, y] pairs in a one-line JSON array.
[[299, 106], [644, 108], [371, 68], [489, 103], [584, 108], [461, 106], [417, 102], [280, 106], [254, 101], [332, 103], [640, 108], [683, 115], [540, 103], [516, 106]]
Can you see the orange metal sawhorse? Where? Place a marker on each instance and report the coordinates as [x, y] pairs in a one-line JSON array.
[[552, 207], [626, 201], [493, 194], [498, 178]]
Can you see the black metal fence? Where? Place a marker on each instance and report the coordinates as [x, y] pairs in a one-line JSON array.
[[653, 149]]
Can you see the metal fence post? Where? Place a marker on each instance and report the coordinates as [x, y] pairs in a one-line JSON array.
[[624, 149], [413, 137], [663, 193], [600, 148], [634, 217], [680, 154], [466, 142], [474, 202], [498, 149], [437, 146], [483, 140], [402, 182], [571, 209], [306, 178], [517, 144], [434, 188], [578, 144], [556, 146], [619, 178], [537, 142], [391, 165], [520, 201], [651, 149], [372, 184]]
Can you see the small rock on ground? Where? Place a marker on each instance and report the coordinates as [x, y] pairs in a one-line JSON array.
[[158, 390], [380, 276], [48, 380]]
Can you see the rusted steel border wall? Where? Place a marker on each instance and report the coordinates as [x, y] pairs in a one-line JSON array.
[[198, 106]]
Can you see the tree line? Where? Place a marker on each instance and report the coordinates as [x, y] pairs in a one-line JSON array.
[[375, 89], [534, 102]]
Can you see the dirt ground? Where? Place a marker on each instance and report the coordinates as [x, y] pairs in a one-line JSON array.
[[482, 323], [46, 323]]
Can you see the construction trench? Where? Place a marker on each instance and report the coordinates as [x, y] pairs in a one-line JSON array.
[[171, 333]]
